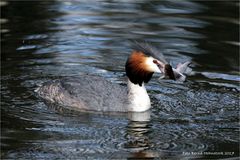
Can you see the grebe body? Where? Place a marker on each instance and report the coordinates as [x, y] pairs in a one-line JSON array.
[[93, 93]]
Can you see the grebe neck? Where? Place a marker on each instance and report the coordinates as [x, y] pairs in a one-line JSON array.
[[138, 97]]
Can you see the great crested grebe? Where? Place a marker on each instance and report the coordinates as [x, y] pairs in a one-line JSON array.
[[93, 93]]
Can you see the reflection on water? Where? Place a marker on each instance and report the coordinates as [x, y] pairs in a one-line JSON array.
[[51, 39]]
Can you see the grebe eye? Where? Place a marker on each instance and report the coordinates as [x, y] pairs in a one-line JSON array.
[[155, 61]]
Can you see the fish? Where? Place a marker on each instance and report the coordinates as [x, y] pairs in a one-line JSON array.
[[180, 73]]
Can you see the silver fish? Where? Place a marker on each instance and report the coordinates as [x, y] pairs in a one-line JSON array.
[[180, 72]]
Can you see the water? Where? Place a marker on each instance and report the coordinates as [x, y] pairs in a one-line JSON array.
[[47, 40]]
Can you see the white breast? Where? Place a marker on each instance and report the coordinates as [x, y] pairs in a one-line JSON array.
[[138, 97]]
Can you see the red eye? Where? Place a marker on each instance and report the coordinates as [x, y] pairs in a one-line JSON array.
[[155, 61]]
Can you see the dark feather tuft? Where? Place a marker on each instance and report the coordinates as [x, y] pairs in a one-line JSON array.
[[148, 50]]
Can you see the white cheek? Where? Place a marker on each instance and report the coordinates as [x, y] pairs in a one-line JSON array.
[[152, 67]]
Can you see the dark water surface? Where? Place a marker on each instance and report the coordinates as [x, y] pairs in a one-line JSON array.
[[41, 41]]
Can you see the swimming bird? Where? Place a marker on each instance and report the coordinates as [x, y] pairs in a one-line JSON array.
[[94, 93]]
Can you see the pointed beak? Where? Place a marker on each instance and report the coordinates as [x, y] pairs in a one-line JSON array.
[[160, 65], [178, 74], [166, 69]]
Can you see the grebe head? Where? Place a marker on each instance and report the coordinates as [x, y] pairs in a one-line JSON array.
[[143, 62]]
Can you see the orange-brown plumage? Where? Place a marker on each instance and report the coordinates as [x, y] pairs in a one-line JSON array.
[[136, 68], [137, 59]]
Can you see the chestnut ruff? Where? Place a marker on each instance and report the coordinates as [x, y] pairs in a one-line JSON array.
[[136, 68]]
